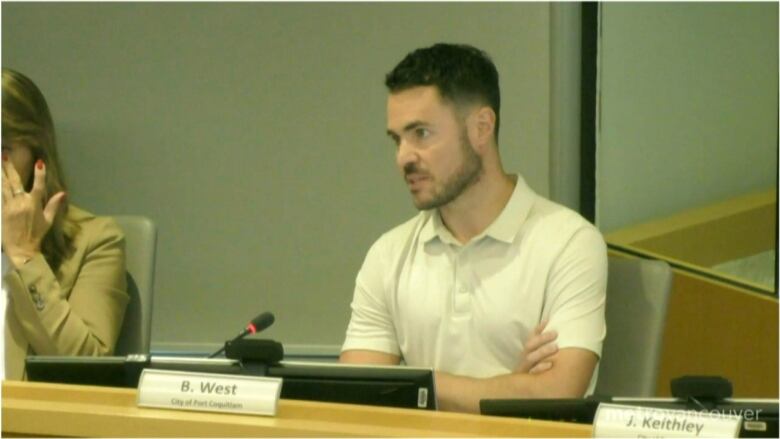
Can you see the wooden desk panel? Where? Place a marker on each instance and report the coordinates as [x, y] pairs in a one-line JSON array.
[[43, 409]]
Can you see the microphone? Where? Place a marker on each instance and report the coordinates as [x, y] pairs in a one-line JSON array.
[[259, 323]]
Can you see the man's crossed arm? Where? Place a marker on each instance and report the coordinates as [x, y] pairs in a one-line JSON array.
[[544, 372]]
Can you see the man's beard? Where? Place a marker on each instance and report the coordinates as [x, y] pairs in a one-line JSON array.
[[468, 174]]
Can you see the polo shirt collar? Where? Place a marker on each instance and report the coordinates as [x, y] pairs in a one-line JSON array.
[[434, 228], [429, 230], [504, 228]]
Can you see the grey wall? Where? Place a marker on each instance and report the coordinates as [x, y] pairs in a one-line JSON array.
[[565, 106], [688, 106], [253, 135]]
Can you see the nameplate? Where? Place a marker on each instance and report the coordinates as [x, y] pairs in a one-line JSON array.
[[613, 420], [209, 392]]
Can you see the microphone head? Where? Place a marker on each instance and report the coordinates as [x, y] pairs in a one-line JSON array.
[[261, 322]]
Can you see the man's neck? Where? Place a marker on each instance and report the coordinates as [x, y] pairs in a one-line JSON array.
[[478, 206]]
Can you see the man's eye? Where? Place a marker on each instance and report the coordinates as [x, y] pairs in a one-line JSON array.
[[422, 133]]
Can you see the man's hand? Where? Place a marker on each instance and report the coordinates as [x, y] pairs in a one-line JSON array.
[[540, 346]]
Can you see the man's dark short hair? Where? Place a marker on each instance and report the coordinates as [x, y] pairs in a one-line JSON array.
[[461, 73]]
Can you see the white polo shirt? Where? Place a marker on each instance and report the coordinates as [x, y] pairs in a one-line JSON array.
[[466, 309]]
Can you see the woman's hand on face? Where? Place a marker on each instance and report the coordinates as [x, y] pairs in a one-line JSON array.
[[26, 216]]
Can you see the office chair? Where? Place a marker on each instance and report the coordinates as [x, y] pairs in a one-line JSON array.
[[140, 250], [637, 296]]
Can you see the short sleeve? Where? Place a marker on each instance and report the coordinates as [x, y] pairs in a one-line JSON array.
[[371, 324], [576, 292]]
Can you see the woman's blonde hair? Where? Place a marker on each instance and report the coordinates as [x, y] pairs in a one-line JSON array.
[[27, 121]]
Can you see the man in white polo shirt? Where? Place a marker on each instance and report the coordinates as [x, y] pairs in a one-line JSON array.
[[468, 284]]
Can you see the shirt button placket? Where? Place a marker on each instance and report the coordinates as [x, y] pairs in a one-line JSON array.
[[462, 297]]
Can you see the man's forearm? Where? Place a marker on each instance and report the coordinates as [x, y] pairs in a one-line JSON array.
[[462, 394], [568, 378]]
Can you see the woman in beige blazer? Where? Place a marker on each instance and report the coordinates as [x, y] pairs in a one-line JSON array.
[[64, 289]]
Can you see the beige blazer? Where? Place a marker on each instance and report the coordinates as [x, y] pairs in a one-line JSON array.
[[76, 311]]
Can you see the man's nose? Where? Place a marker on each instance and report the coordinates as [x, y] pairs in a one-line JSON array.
[[405, 155]]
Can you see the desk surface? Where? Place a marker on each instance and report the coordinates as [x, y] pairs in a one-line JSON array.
[[43, 409]]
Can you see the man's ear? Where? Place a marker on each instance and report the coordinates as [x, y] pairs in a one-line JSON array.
[[482, 127]]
